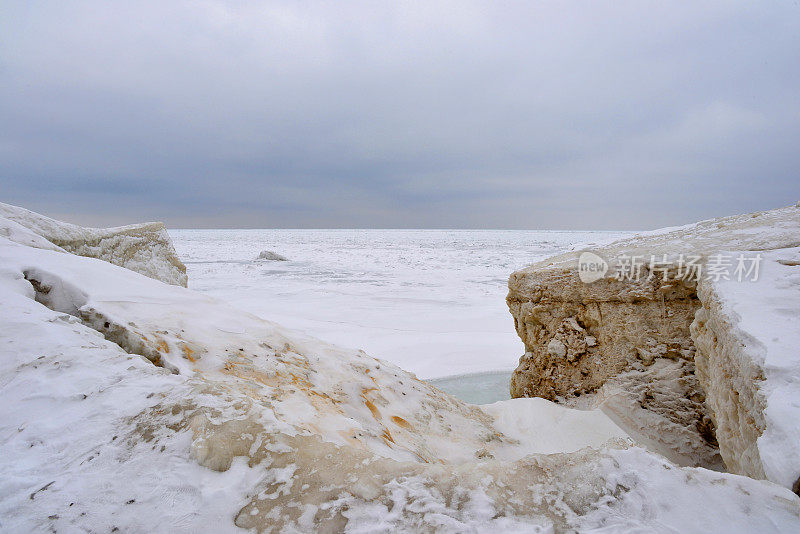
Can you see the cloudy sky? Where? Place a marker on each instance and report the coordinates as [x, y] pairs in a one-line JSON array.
[[592, 114]]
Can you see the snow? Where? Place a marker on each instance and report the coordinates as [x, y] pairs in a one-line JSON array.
[[191, 333], [243, 423], [13, 231], [524, 420], [642, 317], [68, 461], [763, 230], [429, 301]]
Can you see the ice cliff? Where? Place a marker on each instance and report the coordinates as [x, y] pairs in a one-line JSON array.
[[145, 248], [135, 406], [668, 358], [748, 359]]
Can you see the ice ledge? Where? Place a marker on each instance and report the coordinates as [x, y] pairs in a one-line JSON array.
[[626, 345], [145, 248], [748, 361]]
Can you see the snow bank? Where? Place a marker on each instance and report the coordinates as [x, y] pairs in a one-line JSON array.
[[74, 457], [139, 406], [748, 361], [145, 248], [556, 429]]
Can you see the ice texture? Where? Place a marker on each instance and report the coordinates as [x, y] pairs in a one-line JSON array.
[[270, 256], [145, 248], [623, 343], [748, 361]]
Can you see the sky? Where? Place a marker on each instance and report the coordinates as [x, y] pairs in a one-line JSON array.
[[528, 115]]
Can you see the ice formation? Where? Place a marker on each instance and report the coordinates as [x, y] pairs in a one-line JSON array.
[[625, 344], [270, 256], [748, 361], [134, 405], [145, 248]]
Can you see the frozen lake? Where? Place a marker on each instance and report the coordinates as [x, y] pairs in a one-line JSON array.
[[430, 301]]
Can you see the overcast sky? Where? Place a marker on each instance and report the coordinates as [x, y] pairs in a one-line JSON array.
[[562, 115]]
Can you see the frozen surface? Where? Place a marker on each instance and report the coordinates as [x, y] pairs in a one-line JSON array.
[[265, 427], [14, 231], [770, 312], [764, 230], [430, 301], [477, 388]]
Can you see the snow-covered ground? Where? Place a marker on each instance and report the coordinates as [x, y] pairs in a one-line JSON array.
[[242, 423], [430, 301]]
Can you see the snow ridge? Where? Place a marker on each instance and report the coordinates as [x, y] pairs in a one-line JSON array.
[[145, 248]]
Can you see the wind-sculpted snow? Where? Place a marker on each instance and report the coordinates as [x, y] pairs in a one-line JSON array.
[[145, 248], [138, 406]]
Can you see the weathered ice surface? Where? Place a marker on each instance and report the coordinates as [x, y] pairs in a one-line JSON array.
[[145, 248], [748, 361], [271, 256], [136, 406], [626, 342], [15, 232]]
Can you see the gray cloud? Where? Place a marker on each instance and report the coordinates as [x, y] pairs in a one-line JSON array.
[[436, 114]]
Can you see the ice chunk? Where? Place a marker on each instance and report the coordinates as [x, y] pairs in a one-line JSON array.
[[271, 256], [145, 248]]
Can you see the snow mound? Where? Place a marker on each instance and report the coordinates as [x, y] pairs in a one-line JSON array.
[[271, 256], [145, 248], [138, 406]]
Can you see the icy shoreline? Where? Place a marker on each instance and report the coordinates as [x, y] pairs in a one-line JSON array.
[[134, 405]]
